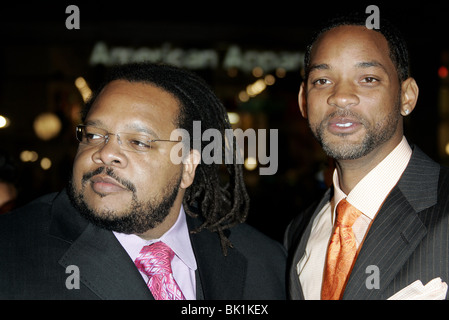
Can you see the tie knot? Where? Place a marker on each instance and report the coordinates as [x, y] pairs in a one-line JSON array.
[[346, 214], [155, 259]]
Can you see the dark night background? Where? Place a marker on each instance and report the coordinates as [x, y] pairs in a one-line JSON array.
[[40, 59]]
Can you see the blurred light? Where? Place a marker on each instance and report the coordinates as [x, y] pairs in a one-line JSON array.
[[269, 80], [280, 72], [259, 86], [447, 149], [83, 88], [233, 117], [34, 156], [45, 163], [25, 156], [257, 72], [443, 72], [4, 122], [243, 96], [47, 126], [250, 164], [256, 88], [28, 156]]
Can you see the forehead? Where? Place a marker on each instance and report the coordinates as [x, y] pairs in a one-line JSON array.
[[354, 42], [123, 104]]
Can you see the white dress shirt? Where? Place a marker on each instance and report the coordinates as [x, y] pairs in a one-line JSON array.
[[367, 196], [178, 239]]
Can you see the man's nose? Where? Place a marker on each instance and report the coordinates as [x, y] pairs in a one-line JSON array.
[[110, 153], [343, 96]]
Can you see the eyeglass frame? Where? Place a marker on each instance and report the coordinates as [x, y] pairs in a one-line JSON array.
[[105, 138]]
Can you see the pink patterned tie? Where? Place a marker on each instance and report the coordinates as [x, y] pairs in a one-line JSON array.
[[155, 261]]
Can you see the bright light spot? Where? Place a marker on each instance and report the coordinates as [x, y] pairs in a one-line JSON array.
[[34, 156], [24, 156], [80, 82], [233, 117], [4, 122], [269, 80], [256, 88], [447, 149], [257, 72], [45, 163], [250, 163], [243, 96], [280, 72], [83, 88], [28, 156], [47, 126]]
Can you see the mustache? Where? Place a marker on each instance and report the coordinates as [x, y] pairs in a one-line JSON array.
[[109, 172]]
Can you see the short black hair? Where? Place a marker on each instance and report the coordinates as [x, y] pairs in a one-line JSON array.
[[396, 42], [218, 205]]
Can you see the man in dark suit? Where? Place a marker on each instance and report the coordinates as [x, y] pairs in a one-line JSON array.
[[129, 195], [356, 91]]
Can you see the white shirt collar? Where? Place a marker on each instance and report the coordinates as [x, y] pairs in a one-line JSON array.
[[369, 194]]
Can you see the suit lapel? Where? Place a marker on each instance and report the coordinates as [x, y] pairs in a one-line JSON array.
[[392, 238], [104, 266], [397, 229], [221, 277]]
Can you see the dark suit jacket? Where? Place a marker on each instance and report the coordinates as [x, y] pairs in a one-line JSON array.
[[39, 241], [408, 240]]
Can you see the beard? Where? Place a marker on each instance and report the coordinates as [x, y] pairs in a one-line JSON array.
[[375, 135], [136, 218]]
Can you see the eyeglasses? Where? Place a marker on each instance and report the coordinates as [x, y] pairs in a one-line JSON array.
[[93, 136]]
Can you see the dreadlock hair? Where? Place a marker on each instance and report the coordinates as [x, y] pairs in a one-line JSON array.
[[218, 205], [396, 43]]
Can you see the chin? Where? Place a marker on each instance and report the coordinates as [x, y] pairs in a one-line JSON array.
[[110, 205]]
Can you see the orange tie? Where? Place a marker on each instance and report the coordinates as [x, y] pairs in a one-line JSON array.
[[341, 252]]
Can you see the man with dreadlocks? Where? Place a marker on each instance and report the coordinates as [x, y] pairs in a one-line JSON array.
[[132, 224]]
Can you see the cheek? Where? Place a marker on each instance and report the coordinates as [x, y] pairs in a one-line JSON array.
[[315, 115], [378, 107], [147, 176], [82, 164], [154, 179], [316, 105], [79, 168]]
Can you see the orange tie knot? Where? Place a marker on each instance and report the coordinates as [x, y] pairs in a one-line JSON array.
[[346, 214]]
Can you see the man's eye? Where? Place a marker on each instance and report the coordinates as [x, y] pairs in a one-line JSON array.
[[93, 136], [140, 144], [321, 82], [370, 80]]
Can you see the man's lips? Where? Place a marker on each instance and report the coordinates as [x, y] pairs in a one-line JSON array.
[[339, 125], [105, 184]]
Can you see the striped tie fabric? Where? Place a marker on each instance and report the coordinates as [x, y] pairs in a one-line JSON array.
[[155, 261]]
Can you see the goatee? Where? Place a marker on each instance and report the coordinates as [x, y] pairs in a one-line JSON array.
[[137, 217]]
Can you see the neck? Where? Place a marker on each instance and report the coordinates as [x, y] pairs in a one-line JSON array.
[[350, 172], [169, 221]]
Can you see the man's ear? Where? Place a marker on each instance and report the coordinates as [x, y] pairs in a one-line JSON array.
[[302, 100], [189, 163], [409, 96]]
